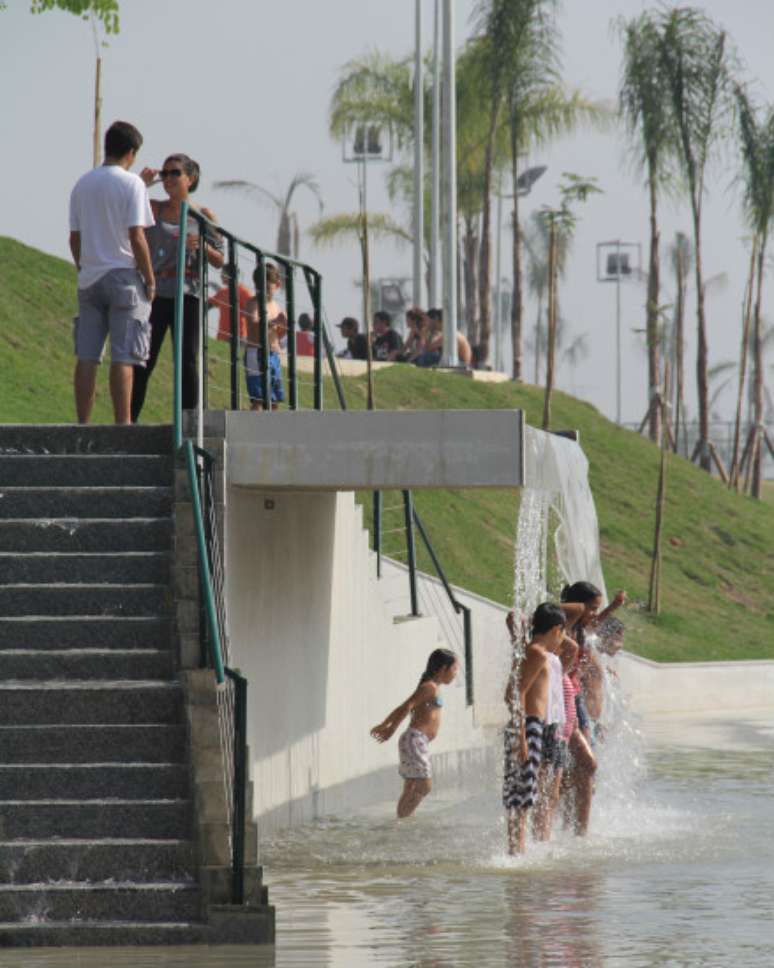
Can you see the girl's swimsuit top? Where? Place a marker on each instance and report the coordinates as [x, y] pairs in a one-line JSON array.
[[437, 701]]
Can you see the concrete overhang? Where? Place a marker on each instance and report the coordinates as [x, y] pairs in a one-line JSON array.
[[375, 450]]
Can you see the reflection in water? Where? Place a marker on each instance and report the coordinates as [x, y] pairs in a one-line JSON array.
[[677, 871]]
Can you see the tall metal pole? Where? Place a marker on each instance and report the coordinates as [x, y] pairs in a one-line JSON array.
[[618, 332], [419, 134], [450, 189], [498, 313], [435, 173]]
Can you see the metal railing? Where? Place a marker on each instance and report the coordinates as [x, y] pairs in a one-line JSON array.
[[443, 604]]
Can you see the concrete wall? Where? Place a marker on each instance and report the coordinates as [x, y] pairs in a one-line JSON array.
[[325, 659]]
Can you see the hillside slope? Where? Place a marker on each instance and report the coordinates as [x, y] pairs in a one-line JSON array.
[[718, 590]]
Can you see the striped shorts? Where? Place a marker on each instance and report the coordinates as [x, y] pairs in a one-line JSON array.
[[520, 779]]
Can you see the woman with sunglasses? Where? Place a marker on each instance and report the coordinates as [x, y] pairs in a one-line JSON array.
[[180, 177]]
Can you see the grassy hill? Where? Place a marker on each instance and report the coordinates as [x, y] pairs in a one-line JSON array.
[[718, 590]]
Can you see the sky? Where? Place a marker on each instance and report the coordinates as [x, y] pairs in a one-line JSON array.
[[244, 86]]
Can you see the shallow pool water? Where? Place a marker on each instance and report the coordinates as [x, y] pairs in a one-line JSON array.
[[678, 871]]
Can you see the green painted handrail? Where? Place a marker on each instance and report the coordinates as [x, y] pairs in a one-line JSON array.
[[177, 393], [216, 650]]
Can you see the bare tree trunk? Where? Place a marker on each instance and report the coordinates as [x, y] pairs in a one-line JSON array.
[[705, 461], [552, 273], [97, 135], [759, 379], [517, 299], [651, 324], [733, 476], [654, 593], [485, 256], [680, 353], [538, 320]]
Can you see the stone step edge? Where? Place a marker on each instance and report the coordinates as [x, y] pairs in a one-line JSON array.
[[51, 522], [111, 765], [85, 554], [85, 886], [98, 842], [102, 801], [84, 585], [90, 685], [96, 651], [83, 488]]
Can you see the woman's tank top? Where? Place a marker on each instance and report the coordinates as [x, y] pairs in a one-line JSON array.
[[162, 241]]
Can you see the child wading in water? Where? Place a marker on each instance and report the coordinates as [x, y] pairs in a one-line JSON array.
[[424, 704], [527, 700]]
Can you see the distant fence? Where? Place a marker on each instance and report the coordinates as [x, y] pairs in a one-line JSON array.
[[721, 434]]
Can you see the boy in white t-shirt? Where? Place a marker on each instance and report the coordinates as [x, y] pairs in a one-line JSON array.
[[109, 210]]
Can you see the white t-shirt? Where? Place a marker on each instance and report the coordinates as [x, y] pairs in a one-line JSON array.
[[105, 203]]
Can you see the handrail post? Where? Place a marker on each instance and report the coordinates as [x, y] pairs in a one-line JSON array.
[[318, 341], [201, 335], [236, 322], [290, 305], [408, 507], [377, 499], [331, 356], [240, 790], [177, 392], [262, 352], [468, 632]]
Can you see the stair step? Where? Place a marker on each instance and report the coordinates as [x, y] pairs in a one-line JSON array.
[[86, 631], [163, 901], [123, 568], [81, 599], [86, 534], [35, 861], [86, 470], [247, 926], [112, 664], [90, 819], [78, 781], [78, 702], [129, 743], [92, 439], [17, 503]]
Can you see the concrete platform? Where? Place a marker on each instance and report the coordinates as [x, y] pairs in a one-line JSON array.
[[378, 450]]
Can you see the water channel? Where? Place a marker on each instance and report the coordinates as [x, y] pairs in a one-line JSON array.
[[678, 871]]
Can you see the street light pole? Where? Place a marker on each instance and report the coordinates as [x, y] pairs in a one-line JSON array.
[[419, 127], [435, 169], [498, 321], [449, 357], [618, 333]]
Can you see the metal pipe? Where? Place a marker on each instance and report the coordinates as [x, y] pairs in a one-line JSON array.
[[436, 563], [290, 305], [411, 551], [377, 537], [419, 134], [618, 332], [449, 357], [435, 172], [177, 390], [498, 313], [331, 357], [318, 342], [236, 319], [240, 788], [468, 631], [263, 324]]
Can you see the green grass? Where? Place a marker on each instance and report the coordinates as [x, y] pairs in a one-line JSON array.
[[718, 568]]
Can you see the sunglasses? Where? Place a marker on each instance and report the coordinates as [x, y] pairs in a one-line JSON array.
[[171, 173]]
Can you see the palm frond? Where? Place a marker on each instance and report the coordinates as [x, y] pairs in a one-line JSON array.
[[250, 188], [347, 226]]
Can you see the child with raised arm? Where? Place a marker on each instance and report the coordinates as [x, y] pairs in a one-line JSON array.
[[527, 700], [424, 705]]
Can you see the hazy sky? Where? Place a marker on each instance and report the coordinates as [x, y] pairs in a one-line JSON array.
[[244, 87]]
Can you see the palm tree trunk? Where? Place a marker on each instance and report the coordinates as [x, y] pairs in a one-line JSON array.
[[652, 318], [517, 299], [733, 474], [758, 362], [283, 233], [485, 256], [680, 354], [470, 247], [654, 595], [705, 461], [552, 273], [97, 133]]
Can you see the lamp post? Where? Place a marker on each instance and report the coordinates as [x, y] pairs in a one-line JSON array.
[[524, 182], [614, 262], [419, 130], [435, 167], [361, 144], [449, 357]]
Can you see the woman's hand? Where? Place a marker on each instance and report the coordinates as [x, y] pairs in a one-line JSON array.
[[150, 176]]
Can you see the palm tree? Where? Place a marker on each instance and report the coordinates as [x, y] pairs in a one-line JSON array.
[[287, 231], [377, 90], [680, 258], [645, 109], [756, 131], [696, 66], [560, 221]]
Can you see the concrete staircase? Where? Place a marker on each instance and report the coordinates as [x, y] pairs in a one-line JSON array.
[[97, 817]]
